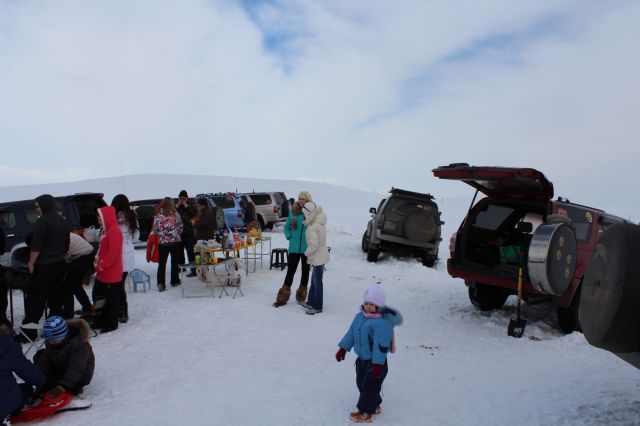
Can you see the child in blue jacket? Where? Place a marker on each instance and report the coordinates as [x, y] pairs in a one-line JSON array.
[[371, 337]]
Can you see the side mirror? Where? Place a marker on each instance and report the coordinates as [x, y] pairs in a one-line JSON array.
[[372, 210]]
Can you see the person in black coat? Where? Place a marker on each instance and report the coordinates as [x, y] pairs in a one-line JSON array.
[[205, 226], [187, 212], [12, 360], [4, 301], [67, 360], [47, 264]]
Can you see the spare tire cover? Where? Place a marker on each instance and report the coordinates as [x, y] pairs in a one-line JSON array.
[[552, 258], [610, 299], [218, 216], [420, 227]]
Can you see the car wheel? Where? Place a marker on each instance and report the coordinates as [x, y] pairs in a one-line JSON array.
[[610, 297], [429, 260], [486, 297], [372, 254], [218, 217], [261, 223], [365, 242], [568, 317]]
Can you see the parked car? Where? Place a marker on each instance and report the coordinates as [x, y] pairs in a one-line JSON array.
[[231, 209], [406, 222], [267, 207], [518, 225], [145, 212], [19, 217]]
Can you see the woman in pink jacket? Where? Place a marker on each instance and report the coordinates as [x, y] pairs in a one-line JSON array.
[[108, 266]]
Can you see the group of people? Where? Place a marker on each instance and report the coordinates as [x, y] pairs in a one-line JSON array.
[[176, 225]]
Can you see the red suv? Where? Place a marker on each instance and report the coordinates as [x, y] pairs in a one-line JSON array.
[[518, 225]]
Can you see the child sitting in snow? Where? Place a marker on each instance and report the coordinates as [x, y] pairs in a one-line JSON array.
[[371, 337], [67, 360]]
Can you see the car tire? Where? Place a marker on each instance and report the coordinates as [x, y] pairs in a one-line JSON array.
[[372, 254], [486, 297], [218, 217], [610, 296], [429, 260], [568, 318], [261, 223], [365, 242]]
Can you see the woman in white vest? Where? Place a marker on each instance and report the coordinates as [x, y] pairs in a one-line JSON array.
[[130, 232]]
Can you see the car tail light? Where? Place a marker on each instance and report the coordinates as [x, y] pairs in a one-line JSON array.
[[78, 232], [452, 244], [380, 222], [276, 209], [240, 214]]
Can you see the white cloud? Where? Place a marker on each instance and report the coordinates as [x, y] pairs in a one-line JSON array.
[[367, 94]]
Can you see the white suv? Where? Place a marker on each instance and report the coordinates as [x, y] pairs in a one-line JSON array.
[[267, 207]]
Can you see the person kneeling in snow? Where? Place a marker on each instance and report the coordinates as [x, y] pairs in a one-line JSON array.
[[12, 360], [67, 360], [371, 337]]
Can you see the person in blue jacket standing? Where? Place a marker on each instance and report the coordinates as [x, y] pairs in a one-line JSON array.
[[371, 337], [295, 231], [12, 360]]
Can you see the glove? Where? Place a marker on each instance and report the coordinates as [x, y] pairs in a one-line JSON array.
[[340, 354], [54, 393], [376, 371]]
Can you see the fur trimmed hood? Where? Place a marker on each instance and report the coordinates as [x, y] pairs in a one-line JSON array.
[[83, 328]]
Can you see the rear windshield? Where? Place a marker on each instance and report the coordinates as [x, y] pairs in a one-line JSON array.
[[582, 221], [405, 207], [279, 198], [261, 199], [224, 202], [30, 213]]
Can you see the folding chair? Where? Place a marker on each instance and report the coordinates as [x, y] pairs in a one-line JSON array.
[[138, 276], [234, 276], [38, 342]]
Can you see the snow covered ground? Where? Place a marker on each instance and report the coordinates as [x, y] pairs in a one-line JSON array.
[[212, 361]]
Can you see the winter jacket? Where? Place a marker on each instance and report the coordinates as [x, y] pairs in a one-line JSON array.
[[12, 360], [50, 233], [206, 226], [317, 252], [297, 237], [371, 337], [167, 228], [74, 360], [78, 247], [109, 258], [186, 214], [128, 251]]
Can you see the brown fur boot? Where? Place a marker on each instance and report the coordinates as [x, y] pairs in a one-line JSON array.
[[283, 296], [301, 295]]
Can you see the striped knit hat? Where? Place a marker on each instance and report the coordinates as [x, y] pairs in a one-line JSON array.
[[55, 328]]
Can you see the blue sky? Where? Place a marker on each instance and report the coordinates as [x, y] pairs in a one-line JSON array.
[[365, 94]]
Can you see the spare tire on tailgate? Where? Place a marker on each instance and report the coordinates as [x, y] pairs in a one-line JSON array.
[[420, 227], [610, 299]]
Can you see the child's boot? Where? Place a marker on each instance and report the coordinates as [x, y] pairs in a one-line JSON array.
[[283, 296], [301, 295], [360, 417]]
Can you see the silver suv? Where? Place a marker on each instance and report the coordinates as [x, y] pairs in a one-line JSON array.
[[267, 207], [406, 222]]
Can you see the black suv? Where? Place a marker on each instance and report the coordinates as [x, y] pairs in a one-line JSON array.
[[405, 222], [17, 218], [517, 225]]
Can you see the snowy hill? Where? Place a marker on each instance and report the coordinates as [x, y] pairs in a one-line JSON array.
[[224, 361]]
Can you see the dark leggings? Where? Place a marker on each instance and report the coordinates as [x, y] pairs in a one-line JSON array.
[[123, 292], [108, 319], [292, 266], [164, 251]]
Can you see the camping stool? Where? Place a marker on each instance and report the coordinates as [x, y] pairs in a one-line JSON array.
[[281, 256], [138, 276], [37, 342]]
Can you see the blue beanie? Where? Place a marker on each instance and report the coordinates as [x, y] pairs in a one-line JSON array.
[[55, 328]]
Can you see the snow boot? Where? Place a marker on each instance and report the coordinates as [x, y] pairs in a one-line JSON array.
[[360, 417], [378, 409], [301, 295], [283, 296]]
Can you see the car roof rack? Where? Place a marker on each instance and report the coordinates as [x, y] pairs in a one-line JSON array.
[[397, 191]]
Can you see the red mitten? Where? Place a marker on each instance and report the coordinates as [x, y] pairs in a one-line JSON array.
[[340, 354], [376, 371]]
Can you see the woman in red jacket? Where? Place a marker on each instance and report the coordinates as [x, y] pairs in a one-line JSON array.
[[108, 266]]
